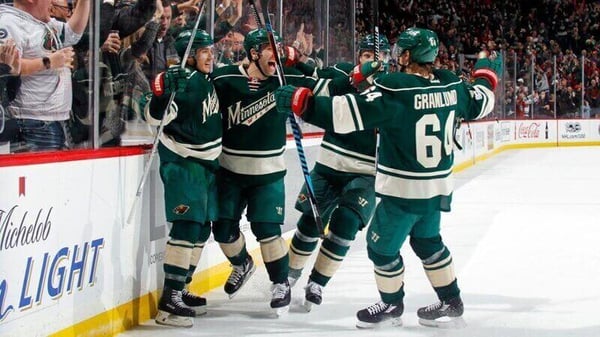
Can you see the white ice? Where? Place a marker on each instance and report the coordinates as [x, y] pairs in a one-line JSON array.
[[525, 237]]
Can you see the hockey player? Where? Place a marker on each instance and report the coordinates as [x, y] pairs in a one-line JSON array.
[[252, 165], [415, 111], [188, 149], [343, 179]]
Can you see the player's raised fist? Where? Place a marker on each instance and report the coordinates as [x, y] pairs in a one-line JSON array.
[[296, 99], [362, 75]]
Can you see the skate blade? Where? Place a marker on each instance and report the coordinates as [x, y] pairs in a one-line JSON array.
[[250, 273], [165, 318], [449, 323], [199, 310], [308, 305], [281, 311], [396, 322]]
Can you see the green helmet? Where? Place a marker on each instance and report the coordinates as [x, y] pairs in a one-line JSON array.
[[202, 39], [368, 43], [257, 37], [422, 43]]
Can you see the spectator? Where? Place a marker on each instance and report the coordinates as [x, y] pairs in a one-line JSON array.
[[162, 49], [61, 10], [132, 56], [10, 67], [43, 103]]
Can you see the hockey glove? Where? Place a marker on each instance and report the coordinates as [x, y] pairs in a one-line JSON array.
[[173, 80], [291, 56], [296, 99], [488, 67], [362, 75]]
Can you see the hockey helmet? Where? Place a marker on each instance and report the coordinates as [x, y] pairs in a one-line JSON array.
[[201, 40], [422, 43], [256, 38], [368, 43]]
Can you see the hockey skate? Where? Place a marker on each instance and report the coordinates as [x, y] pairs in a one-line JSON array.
[[443, 314], [282, 296], [194, 302], [312, 295], [239, 276], [172, 311], [378, 313], [293, 276]]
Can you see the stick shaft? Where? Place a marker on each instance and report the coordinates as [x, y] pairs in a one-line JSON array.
[[295, 127]]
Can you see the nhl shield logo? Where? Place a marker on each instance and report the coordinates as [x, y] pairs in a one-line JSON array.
[[181, 209]]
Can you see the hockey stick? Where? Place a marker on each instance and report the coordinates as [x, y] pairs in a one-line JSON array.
[[376, 41], [375, 9], [138, 193], [375, 5], [295, 127]]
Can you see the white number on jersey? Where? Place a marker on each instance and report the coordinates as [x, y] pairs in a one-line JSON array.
[[429, 147]]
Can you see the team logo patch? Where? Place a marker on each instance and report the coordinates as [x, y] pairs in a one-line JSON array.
[[181, 209], [49, 42], [3, 33], [302, 197]]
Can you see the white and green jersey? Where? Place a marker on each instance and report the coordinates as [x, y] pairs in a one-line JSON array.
[[415, 117], [193, 127], [254, 133], [343, 154]]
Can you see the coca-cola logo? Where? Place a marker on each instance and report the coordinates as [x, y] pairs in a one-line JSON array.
[[529, 130]]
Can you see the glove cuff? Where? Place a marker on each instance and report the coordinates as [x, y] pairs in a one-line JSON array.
[[488, 75], [300, 100], [292, 56], [158, 86]]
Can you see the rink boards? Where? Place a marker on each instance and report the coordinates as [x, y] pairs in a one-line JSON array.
[[70, 264]]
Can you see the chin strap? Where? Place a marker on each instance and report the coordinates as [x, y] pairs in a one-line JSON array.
[[258, 66]]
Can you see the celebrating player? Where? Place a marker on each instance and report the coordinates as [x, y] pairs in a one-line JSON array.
[[415, 111], [344, 179], [252, 165], [188, 149]]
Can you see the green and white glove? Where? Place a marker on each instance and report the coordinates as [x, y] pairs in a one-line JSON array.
[[362, 75], [488, 68], [290, 98], [175, 79]]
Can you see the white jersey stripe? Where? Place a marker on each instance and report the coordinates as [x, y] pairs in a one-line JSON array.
[[411, 188]]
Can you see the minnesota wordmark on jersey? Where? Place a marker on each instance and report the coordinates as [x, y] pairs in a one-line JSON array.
[[247, 115]]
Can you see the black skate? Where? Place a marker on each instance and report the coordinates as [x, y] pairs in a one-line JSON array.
[[238, 277], [282, 296], [172, 311], [378, 313], [312, 295], [443, 314], [293, 276], [194, 302]]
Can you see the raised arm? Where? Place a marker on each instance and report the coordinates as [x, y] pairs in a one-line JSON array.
[[80, 16]]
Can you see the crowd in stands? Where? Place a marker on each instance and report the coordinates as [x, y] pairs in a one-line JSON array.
[[550, 50], [538, 30]]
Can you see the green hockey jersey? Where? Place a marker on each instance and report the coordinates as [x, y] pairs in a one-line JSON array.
[[343, 154], [193, 126], [416, 117], [254, 134]]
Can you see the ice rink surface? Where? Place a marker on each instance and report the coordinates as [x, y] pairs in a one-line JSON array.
[[525, 237]]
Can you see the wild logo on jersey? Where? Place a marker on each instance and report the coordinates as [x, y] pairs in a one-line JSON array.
[[210, 106], [50, 42], [247, 115]]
